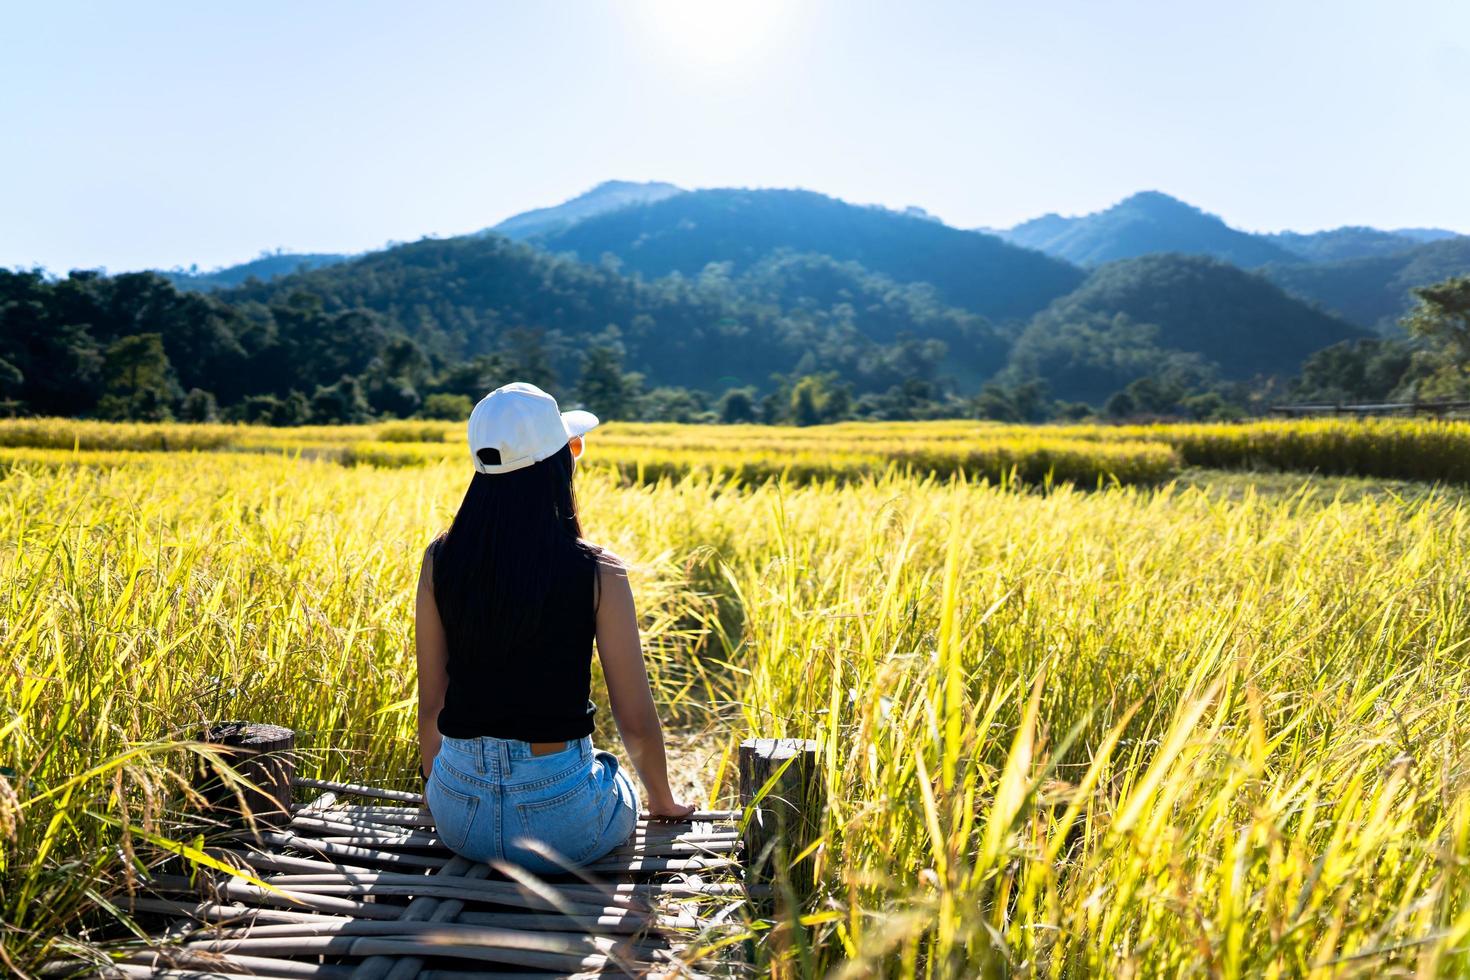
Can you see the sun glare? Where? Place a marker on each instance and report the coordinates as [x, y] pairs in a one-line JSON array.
[[717, 33]]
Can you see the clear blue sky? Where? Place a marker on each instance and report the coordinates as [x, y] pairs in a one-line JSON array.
[[141, 134]]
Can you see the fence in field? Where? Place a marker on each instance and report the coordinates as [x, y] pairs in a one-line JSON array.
[[367, 890], [1440, 408]]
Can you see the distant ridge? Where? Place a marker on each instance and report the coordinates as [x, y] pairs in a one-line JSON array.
[[1374, 290], [1146, 223], [270, 266], [610, 195], [1350, 242], [686, 232], [1149, 222], [1427, 234]]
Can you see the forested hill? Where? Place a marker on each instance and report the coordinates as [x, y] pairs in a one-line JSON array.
[[461, 297], [1374, 291], [686, 232], [1150, 315], [1145, 223], [269, 266], [1351, 242]]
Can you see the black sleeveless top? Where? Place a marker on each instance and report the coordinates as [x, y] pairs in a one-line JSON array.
[[538, 693]]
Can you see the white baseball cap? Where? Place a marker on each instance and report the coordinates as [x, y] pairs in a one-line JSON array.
[[523, 425]]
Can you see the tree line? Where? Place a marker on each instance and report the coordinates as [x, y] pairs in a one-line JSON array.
[[423, 330]]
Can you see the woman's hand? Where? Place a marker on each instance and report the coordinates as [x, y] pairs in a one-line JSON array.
[[671, 811]]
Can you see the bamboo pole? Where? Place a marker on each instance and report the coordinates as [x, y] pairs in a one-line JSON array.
[[243, 917], [392, 883], [474, 890], [355, 789], [235, 889], [387, 823], [432, 933], [373, 946], [252, 965], [224, 915], [421, 908], [137, 970], [352, 851]]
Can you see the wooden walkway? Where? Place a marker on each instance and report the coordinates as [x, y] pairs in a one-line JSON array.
[[361, 887]]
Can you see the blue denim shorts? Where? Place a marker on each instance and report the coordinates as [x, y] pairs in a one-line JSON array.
[[491, 798]]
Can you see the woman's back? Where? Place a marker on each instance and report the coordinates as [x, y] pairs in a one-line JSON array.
[[531, 683]]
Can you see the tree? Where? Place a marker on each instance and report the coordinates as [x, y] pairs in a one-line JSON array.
[[805, 395], [994, 402], [472, 379], [199, 406], [1120, 405], [1024, 402], [392, 381], [838, 405], [1209, 406], [392, 397], [11, 379], [294, 409], [450, 408], [340, 404], [256, 409], [137, 380], [737, 405], [1441, 323], [1351, 370], [773, 405], [604, 389], [670, 404], [529, 358]]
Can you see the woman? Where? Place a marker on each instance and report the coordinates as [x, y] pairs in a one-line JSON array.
[[510, 599]]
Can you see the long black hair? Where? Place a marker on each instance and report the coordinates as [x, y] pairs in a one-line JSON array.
[[515, 539]]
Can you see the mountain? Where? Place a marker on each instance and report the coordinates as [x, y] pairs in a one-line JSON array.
[[1141, 316], [1146, 223], [1374, 291], [268, 266], [1351, 242], [610, 195], [460, 297], [606, 196], [688, 231], [1427, 234]]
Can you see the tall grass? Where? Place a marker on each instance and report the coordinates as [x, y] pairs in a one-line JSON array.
[[1029, 459], [1408, 449], [1128, 732], [45, 433], [1412, 449]]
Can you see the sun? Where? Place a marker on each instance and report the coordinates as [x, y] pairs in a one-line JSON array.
[[717, 33]]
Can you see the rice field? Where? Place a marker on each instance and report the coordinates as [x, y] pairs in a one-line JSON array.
[[1094, 727], [1086, 455]]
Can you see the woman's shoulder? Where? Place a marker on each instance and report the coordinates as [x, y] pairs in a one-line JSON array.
[[605, 557]]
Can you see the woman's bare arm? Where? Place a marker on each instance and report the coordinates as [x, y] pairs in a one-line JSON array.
[[627, 687], [433, 664]]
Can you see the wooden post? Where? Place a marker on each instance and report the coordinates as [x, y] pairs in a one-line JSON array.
[[786, 820], [265, 756]]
